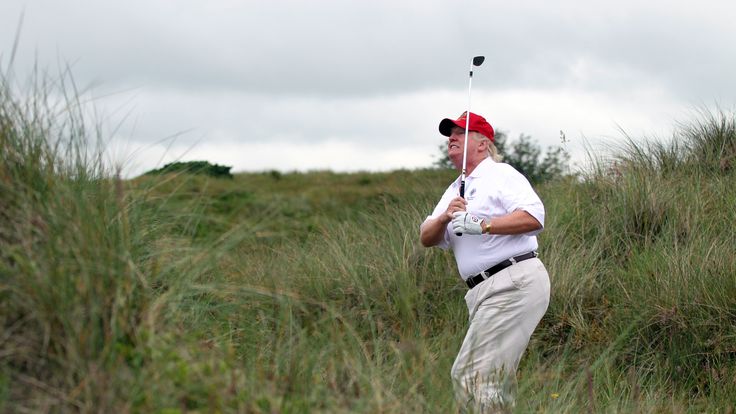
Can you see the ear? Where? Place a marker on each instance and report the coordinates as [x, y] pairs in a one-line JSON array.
[[483, 146]]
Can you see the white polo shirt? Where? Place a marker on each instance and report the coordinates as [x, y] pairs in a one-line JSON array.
[[492, 190]]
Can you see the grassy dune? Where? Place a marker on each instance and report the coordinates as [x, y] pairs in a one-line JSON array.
[[310, 293]]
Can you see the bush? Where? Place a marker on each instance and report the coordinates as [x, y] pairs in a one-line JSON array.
[[525, 155], [194, 167]]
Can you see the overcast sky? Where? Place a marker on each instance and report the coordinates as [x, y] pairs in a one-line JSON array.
[[348, 85]]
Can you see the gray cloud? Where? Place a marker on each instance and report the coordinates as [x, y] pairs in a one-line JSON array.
[[379, 73], [334, 48]]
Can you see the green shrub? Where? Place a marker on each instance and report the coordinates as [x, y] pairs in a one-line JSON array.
[[195, 167]]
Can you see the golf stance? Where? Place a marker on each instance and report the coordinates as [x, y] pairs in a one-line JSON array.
[[498, 218]]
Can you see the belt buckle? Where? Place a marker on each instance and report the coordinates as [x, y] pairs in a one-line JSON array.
[[471, 282]]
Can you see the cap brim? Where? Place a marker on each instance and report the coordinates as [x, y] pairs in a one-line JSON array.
[[446, 126]]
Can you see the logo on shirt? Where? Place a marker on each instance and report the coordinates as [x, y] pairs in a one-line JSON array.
[[471, 194]]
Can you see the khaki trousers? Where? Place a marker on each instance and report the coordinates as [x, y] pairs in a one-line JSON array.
[[503, 312]]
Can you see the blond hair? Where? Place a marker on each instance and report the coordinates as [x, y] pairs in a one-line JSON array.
[[492, 150]]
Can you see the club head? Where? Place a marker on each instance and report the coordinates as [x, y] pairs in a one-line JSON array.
[[478, 60]]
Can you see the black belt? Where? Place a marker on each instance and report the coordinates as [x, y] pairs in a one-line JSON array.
[[476, 280]]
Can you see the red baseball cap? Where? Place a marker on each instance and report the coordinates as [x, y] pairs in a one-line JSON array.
[[477, 124]]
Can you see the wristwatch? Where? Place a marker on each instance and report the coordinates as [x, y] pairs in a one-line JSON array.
[[487, 226]]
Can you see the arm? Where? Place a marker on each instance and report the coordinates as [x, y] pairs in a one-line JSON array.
[[433, 230], [517, 222]]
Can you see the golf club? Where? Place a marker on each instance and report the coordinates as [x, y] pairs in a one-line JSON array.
[[477, 61]]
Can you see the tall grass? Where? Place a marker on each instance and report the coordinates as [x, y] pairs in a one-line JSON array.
[[310, 293], [644, 272], [72, 292]]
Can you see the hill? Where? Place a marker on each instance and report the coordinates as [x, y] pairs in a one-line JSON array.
[[309, 292]]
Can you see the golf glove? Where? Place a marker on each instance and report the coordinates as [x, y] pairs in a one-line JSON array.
[[466, 223]]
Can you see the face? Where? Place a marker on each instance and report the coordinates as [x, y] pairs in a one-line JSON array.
[[455, 147]]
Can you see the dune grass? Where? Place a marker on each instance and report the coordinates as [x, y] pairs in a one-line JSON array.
[[277, 292]]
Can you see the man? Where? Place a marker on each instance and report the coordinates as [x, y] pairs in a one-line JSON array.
[[492, 232]]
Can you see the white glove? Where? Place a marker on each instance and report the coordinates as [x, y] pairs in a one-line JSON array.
[[466, 223]]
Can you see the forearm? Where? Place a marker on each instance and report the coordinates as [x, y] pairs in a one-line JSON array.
[[518, 222], [433, 230]]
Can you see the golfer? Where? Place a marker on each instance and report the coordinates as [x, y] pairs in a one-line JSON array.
[[492, 232]]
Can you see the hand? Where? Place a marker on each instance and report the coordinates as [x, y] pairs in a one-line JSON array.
[[456, 204], [466, 223]]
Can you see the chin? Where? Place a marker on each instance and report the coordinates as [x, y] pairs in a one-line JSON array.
[[457, 162]]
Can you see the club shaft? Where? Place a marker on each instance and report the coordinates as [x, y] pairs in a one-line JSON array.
[[467, 126], [465, 146]]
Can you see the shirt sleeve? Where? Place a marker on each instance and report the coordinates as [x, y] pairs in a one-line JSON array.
[[518, 194], [440, 208]]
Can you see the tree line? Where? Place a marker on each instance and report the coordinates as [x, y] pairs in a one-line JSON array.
[[524, 154]]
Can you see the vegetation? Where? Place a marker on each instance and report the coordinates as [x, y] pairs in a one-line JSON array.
[[309, 292], [194, 167]]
